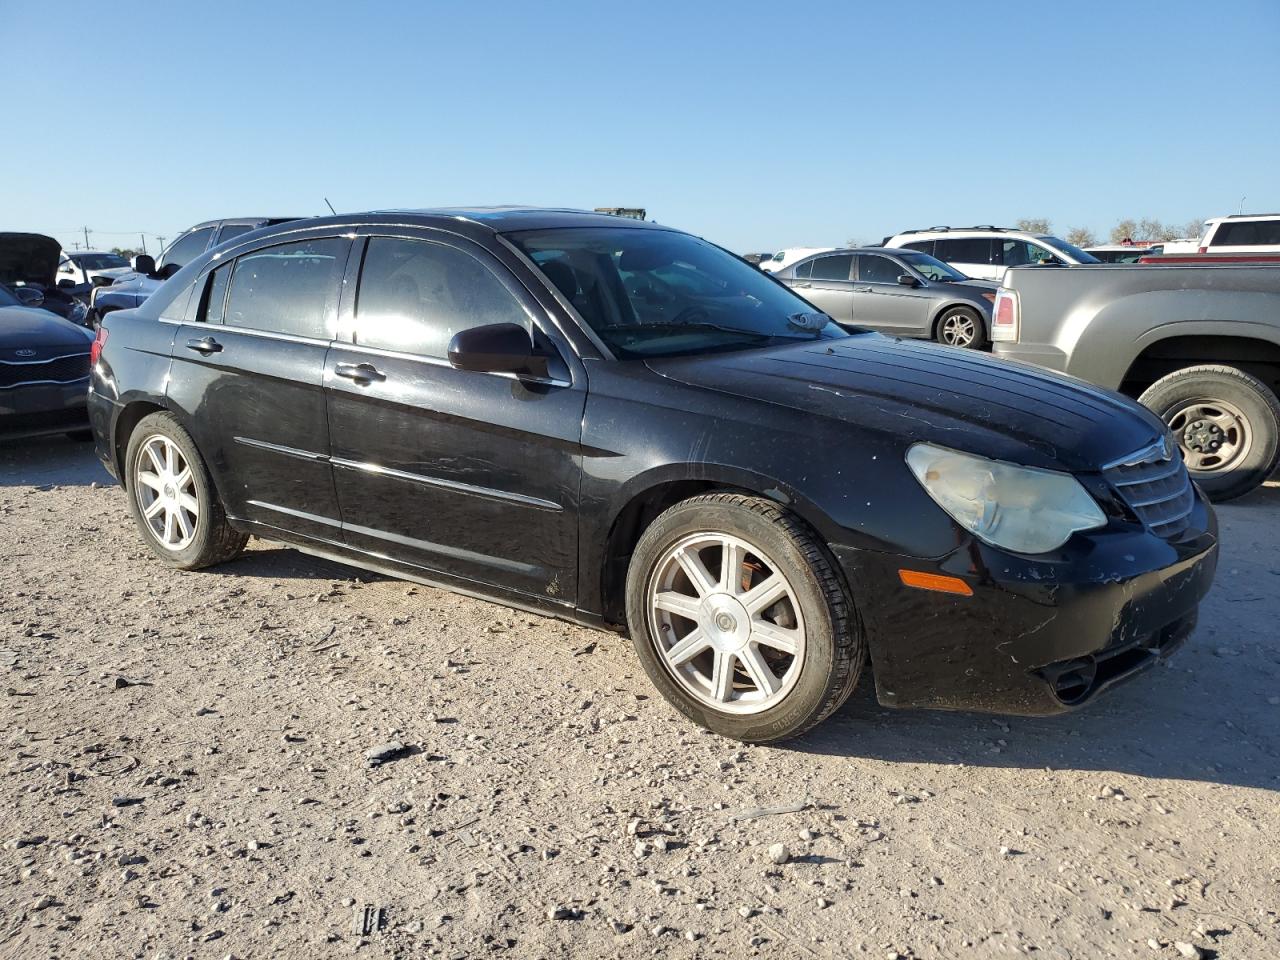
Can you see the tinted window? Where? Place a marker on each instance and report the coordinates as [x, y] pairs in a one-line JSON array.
[[1020, 253], [924, 246], [804, 269], [875, 269], [290, 289], [231, 230], [415, 295], [215, 294], [186, 248], [974, 250], [1246, 233], [832, 268]]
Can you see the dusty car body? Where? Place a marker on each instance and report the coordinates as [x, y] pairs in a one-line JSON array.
[[578, 462]]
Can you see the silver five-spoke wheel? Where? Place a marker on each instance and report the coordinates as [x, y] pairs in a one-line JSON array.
[[166, 492], [959, 329], [727, 622]]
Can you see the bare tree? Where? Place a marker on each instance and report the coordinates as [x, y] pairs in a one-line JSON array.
[[1124, 230], [1035, 225], [1081, 237], [1193, 228]]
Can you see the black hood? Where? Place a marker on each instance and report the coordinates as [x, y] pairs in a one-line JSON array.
[[28, 258], [924, 392], [23, 328]]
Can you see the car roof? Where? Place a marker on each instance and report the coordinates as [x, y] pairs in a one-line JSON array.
[[263, 220], [1245, 216], [502, 219]]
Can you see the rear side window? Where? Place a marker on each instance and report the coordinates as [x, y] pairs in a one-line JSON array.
[[805, 269], [186, 248], [215, 294], [231, 230], [968, 250], [416, 294], [290, 289], [833, 268], [1246, 233], [1020, 253], [924, 246]]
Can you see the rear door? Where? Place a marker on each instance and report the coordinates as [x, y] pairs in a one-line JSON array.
[[972, 256], [826, 282], [472, 475], [248, 368], [879, 301]]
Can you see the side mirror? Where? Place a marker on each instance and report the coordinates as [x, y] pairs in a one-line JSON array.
[[907, 280], [66, 284], [143, 263], [496, 348], [30, 296], [100, 281]]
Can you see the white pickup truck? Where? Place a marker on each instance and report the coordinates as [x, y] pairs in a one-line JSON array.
[[1198, 344]]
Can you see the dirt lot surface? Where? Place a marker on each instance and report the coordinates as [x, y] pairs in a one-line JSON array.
[[185, 774]]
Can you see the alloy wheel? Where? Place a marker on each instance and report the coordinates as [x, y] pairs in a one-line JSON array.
[[958, 329], [165, 488], [726, 622], [1213, 434]]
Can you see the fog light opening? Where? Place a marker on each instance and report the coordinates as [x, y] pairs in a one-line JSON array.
[[1073, 681]]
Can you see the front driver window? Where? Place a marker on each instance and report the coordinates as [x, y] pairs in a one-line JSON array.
[[416, 294], [877, 269]]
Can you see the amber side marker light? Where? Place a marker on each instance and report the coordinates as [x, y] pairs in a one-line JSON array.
[[935, 581]]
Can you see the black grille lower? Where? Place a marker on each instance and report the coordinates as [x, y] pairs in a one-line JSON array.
[[1157, 489], [65, 369]]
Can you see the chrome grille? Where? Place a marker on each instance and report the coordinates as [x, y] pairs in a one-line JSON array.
[[1155, 485], [65, 369]]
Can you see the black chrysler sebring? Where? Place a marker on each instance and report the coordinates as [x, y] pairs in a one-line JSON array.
[[624, 425]]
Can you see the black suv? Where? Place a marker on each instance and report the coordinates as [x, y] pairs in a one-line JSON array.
[[627, 426]]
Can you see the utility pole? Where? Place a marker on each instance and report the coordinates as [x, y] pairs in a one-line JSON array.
[[161, 239], [143, 238], [86, 238]]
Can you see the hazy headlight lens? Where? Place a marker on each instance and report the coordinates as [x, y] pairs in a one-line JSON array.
[[1022, 509]]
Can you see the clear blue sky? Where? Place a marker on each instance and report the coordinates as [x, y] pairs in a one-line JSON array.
[[757, 125]]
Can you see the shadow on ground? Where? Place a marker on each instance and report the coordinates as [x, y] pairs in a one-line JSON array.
[[50, 461]]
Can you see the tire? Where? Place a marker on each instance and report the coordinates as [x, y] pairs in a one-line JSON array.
[[961, 327], [206, 538], [1207, 404], [812, 616]]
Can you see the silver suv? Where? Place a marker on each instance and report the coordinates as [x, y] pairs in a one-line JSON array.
[[986, 252]]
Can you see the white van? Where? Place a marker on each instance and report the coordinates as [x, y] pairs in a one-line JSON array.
[[785, 258], [986, 252], [1242, 233]]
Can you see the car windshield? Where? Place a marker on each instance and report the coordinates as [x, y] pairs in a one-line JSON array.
[[100, 261], [7, 299], [930, 267], [657, 293], [1070, 249]]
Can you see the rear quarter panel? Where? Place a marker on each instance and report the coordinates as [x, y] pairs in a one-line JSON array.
[[133, 368]]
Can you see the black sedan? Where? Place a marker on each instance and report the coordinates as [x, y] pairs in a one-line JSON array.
[[902, 292], [626, 426], [44, 371]]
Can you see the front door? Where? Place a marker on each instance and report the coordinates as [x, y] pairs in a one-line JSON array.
[[882, 303], [472, 475], [248, 367]]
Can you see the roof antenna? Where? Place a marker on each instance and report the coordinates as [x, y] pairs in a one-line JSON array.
[[330, 206]]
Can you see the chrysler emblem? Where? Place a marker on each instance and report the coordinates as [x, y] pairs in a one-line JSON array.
[[25, 353]]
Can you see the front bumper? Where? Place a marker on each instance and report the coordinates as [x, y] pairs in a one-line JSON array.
[[33, 410], [1039, 635]]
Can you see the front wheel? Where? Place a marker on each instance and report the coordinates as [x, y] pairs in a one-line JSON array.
[[1226, 422], [740, 620], [172, 498], [961, 327]]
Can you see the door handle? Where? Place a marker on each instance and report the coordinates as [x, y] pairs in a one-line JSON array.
[[802, 284], [205, 345], [359, 372], [863, 290]]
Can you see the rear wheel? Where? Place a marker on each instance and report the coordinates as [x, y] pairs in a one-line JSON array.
[[739, 618], [172, 498], [1227, 423], [961, 327]]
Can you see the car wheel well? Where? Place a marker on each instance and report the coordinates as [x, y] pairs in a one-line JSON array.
[[127, 422], [1260, 358], [625, 533]]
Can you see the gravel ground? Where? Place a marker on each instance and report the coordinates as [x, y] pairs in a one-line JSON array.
[[185, 774]]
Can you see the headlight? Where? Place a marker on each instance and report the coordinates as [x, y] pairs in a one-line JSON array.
[[1021, 509]]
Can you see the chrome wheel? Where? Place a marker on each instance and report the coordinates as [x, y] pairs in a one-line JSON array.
[[1214, 435], [958, 329], [165, 489], [726, 622]]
